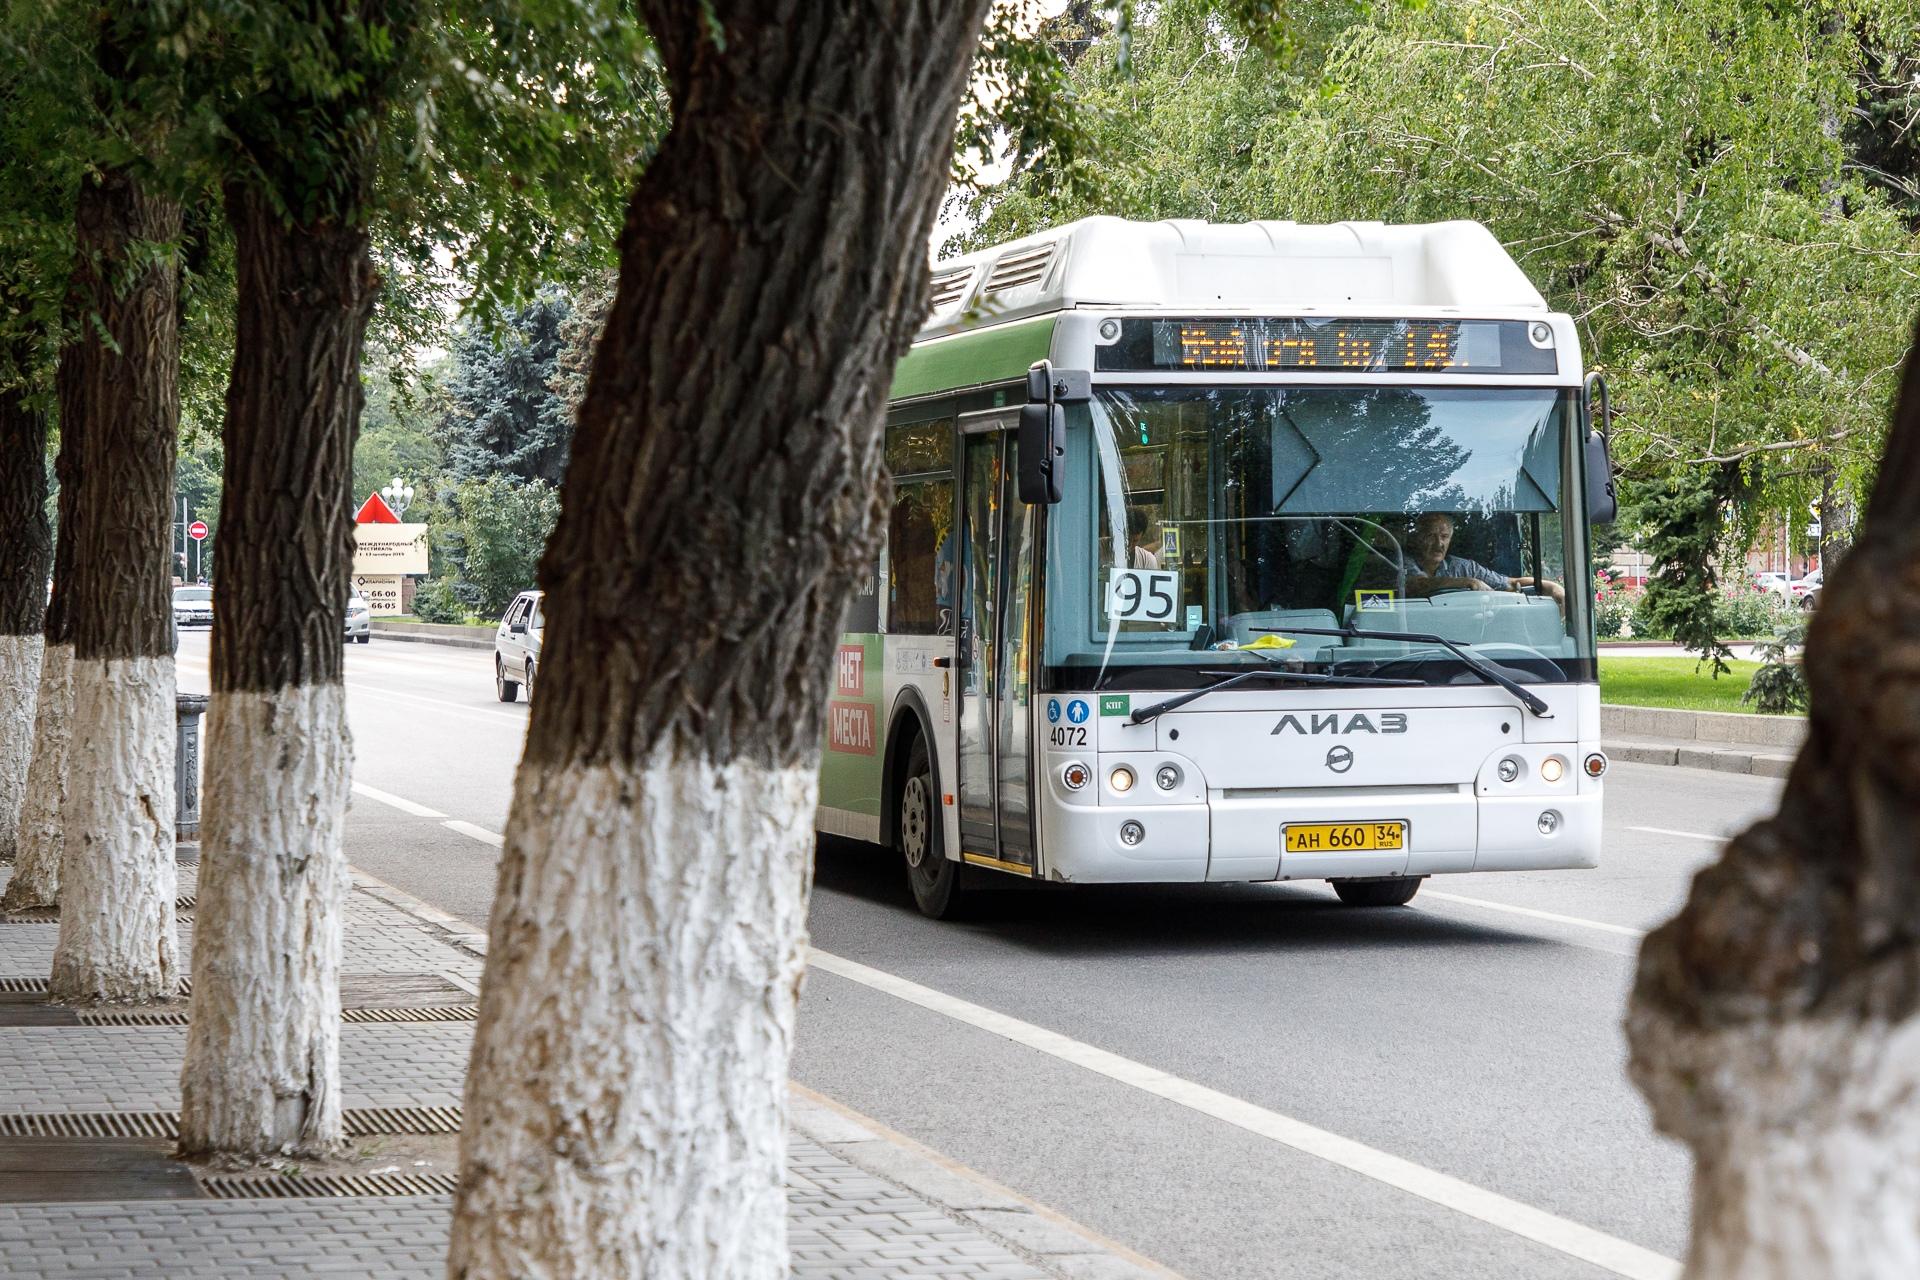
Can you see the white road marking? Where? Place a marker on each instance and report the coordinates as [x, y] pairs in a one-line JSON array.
[[1685, 835], [398, 802], [481, 834], [1532, 914], [1621, 1257]]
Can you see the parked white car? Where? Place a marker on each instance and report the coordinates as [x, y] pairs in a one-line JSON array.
[[1779, 584], [359, 621], [516, 646], [1807, 589], [193, 606]]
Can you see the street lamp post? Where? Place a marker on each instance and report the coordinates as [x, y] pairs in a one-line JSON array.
[[398, 494]]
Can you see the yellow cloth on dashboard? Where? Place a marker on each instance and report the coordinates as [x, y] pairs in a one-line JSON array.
[[1269, 642]]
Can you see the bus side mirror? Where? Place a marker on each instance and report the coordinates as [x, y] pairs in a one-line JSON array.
[[1603, 502], [1043, 444], [1043, 438], [1603, 499]]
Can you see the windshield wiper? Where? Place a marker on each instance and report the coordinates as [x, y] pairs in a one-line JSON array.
[[1480, 667], [1141, 715]]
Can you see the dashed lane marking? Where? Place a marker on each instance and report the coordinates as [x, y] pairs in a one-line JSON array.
[[481, 834], [1685, 835], [401, 803], [1533, 914]]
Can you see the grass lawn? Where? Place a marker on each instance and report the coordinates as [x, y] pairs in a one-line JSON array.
[[1674, 682]]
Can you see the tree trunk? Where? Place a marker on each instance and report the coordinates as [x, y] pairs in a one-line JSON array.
[[23, 596], [1775, 1022], [626, 1099], [262, 1071], [117, 875], [41, 842]]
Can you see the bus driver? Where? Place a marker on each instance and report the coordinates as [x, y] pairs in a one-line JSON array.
[[1431, 569]]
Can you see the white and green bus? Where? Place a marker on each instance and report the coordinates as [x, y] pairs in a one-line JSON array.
[[1230, 553]]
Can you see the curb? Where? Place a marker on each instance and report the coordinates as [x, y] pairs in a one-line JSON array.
[[1687, 755], [1044, 1237], [451, 642]]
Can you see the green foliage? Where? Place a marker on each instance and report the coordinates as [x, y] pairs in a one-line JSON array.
[[396, 429], [499, 526], [1672, 682], [1779, 687], [499, 412], [1680, 598]]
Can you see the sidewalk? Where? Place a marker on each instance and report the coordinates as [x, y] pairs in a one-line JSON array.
[[88, 1103]]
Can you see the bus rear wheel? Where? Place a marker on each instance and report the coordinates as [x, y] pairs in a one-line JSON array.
[[1397, 892], [934, 878]]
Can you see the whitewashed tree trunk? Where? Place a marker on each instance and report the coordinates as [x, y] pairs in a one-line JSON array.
[[118, 877], [724, 500], [42, 829], [1775, 1021], [262, 1071], [1806, 1141], [119, 400], [664, 905], [19, 692], [23, 576]]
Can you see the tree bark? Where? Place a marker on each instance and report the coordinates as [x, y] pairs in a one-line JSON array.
[[1775, 1022], [117, 877], [41, 833], [626, 1099], [262, 1070], [23, 596]]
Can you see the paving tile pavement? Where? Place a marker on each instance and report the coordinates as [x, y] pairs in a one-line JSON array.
[[861, 1206], [842, 1225]]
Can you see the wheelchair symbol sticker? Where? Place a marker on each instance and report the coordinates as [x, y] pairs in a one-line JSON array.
[[1077, 711], [1053, 711]]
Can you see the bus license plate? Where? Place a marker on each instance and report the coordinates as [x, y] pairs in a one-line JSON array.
[[1344, 837]]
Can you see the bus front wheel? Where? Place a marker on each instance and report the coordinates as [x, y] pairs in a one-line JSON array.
[[934, 878], [1397, 892]]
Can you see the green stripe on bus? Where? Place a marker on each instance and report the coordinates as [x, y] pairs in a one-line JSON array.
[[973, 359]]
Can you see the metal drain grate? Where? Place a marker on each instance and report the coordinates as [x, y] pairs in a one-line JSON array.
[[131, 1017], [23, 986], [423, 1013], [91, 1124], [185, 902], [300, 1186], [371, 1122], [359, 1122], [182, 913], [178, 1017]]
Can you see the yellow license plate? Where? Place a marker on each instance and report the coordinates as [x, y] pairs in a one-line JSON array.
[[1344, 837]]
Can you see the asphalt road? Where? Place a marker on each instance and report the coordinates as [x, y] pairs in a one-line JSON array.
[[1239, 1082]]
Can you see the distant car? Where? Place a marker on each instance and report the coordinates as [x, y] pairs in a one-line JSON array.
[[516, 646], [193, 606], [1807, 589], [359, 625], [1778, 584]]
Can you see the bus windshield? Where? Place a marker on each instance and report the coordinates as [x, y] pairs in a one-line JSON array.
[[1211, 527]]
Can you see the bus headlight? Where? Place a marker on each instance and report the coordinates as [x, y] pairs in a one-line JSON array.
[[1121, 779], [1553, 768], [1168, 777], [1548, 822], [1132, 833], [1075, 775], [1508, 769]]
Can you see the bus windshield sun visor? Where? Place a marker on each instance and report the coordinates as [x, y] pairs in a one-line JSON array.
[[1531, 701], [1144, 714]]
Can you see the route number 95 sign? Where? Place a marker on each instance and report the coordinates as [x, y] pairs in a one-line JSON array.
[[1143, 595]]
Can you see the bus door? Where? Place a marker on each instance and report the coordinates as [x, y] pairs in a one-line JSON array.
[[994, 658]]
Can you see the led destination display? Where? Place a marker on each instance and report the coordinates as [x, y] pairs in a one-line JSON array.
[[1296, 345]]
